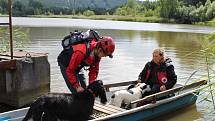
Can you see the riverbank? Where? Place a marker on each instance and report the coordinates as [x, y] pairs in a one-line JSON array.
[[105, 24], [110, 17], [153, 19], [122, 18], [207, 23]]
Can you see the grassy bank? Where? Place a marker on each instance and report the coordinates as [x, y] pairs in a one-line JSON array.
[[3, 15], [111, 17], [153, 19], [208, 23]]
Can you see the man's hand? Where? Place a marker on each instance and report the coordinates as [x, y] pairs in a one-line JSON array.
[[162, 88], [138, 81], [80, 89]]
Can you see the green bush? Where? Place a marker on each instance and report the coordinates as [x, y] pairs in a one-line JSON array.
[[149, 13], [121, 11], [88, 13]]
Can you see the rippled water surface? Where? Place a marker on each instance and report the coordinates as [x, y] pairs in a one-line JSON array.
[[134, 45], [133, 50]]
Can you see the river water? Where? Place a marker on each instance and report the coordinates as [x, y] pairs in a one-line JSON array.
[[135, 42]]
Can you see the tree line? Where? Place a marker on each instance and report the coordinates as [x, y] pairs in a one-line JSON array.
[[35, 7], [181, 11]]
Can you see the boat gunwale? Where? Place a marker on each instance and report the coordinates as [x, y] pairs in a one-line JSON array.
[[126, 112], [148, 106]]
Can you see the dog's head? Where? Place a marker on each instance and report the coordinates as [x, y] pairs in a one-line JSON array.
[[99, 90], [144, 87]]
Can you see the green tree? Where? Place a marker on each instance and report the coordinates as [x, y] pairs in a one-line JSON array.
[[183, 14], [3, 6], [193, 2], [200, 13], [35, 4], [131, 3], [132, 8], [149, 8], [150, 4], [210, 13], [149, 13], [35, 7], [18, 9], [121, 11], [168, 8]]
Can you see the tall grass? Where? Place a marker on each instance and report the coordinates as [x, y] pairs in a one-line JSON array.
[[208, 49]]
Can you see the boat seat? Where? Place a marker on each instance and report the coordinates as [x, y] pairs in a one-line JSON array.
[[108, 109]]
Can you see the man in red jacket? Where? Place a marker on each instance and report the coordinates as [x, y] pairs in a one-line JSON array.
[[73, 73]]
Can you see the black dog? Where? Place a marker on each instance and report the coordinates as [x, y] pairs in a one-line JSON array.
[[77, 107]]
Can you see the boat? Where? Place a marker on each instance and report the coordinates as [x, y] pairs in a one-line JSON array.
[[147, 108]]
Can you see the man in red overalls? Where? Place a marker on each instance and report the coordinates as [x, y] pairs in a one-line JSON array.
[[73, 73]]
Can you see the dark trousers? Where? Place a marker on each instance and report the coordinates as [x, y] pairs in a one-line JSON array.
[[154, 89], [79, 77]]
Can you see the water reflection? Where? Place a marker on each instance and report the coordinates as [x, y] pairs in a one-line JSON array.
[[184, 48], [135, 42], [133, 50], [189, 113]]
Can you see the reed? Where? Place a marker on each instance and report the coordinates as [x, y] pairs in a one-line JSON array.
[[208, 50]]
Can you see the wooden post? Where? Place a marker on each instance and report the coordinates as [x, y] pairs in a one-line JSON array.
[[10, 27]]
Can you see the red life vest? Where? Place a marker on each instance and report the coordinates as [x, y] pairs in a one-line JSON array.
[[89, 60], [81, 60], [161, 76]]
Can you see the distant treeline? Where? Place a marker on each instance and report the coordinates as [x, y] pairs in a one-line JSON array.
[[180, 11], [59, 7]]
